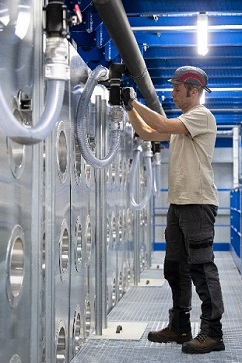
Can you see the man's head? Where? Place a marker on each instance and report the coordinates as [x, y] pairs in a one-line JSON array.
[[190, 76]]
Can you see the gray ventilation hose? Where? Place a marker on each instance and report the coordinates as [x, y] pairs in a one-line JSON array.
[[149, 173], [32, 135], [81, 123]]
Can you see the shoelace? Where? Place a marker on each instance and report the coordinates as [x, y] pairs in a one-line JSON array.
[[201, 337]]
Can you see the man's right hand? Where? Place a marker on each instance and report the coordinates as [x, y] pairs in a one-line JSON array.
[[128, 95]]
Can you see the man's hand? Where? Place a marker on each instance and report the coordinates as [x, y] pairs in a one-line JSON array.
[[128, 95]]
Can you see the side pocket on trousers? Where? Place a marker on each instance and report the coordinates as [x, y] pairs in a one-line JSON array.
[[201, 251]]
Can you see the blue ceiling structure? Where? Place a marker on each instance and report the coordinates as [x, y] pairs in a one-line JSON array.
[[166, 35]]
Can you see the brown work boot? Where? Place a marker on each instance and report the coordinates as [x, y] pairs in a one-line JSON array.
[[167, 335], [203, 344]]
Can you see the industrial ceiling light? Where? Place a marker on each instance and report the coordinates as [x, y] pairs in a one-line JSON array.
[[202, 33]]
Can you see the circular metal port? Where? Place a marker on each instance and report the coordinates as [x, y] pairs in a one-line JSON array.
[[87, 317], [114, 232], [61, 344], [129, 224], [125, 278], [129, 277], [76, 331], [121, 172], [142, 257], [88, 238], [114, 294], [64, 244], [43, 358], [120, 285], [120, 227], [113, 172], [124, 225], [88, 173], [16, 151], [15, 359], [15, 266], [62, 152], [78, 244], [77, 165]]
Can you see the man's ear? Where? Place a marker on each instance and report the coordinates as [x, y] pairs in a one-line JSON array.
[[194, 91]]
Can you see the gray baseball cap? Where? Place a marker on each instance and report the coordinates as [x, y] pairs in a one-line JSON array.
[[191, 75]]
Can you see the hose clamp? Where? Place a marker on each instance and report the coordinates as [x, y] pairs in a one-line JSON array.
[[56, 59], [147, 149], [116, 117], [138, 144], [157, 158]]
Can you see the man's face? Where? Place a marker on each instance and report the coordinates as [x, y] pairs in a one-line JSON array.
[[181, 96]]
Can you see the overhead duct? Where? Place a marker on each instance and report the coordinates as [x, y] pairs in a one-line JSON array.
[[114, 18]]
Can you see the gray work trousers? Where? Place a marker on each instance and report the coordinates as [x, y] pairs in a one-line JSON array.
[[189, 258]]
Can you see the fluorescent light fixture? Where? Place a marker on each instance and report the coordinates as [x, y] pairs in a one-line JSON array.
[[202, 33]]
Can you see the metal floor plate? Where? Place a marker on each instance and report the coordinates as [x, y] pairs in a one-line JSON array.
[[151, 304]]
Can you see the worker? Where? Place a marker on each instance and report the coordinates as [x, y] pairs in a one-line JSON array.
[[193, 204]]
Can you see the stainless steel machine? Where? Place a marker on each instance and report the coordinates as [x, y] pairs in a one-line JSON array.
[[67, 251]]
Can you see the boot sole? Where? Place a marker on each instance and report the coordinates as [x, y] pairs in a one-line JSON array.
[[191, 350], [166, 340]]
